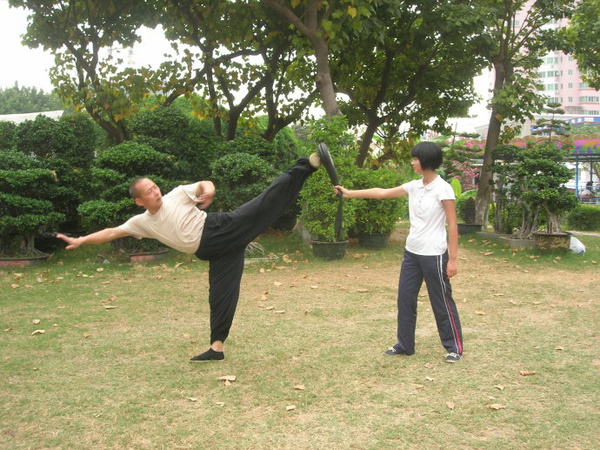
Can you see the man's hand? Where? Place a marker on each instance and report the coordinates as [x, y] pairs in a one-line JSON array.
[[205, 194], [72, 243]]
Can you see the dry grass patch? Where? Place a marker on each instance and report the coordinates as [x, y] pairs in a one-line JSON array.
[[306, 350]]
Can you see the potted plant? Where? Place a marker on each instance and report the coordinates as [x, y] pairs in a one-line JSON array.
[[533, 178], [376, 219], [465, 208], [23, 215], [320, 205]]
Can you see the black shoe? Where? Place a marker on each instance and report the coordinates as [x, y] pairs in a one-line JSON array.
[[327, 161], [209, 355], [393, 352]]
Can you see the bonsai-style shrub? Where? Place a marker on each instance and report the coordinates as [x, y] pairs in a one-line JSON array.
[[377, 216], [585, 218], [23, 214], [319, 202], [175, 131], [239, 177], [533, 178]]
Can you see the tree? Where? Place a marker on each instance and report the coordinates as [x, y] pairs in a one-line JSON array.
[[413, 67], [19, 100], [78, 33], [323, 24], [248, 63], [515, 54], [582, 35]]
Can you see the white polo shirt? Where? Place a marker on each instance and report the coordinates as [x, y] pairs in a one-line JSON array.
[[427, 235], [178, 223]]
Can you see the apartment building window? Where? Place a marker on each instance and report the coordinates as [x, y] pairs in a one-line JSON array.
[[589, 99], [570, 85], [570, 99]]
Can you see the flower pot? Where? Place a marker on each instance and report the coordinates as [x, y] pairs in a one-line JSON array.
[[23, 261], [374, 241], [552, 242], [330, 250], [140, 257], [468, 228]]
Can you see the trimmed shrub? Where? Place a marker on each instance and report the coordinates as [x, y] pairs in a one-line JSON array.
[[584, 218]]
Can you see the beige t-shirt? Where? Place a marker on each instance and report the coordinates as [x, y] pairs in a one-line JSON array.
[[178, 223]]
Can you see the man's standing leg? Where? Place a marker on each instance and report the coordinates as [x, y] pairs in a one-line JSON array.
[[224, 277]]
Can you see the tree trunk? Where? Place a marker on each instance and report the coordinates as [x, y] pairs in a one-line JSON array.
[[484, 190]]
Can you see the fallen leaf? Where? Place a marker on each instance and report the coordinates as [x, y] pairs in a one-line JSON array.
[[498, 295], [429, 379], [450, 405], [286, 259], [314, 286], [220, 404], [14, 286], [499, 387], [277, 283], [362, 290], [299, 387], [263, 298], [192, 399], [9, 329], [495, 406], [480, 313], [280, 311], [35, 321], [429, 366], [526, 373], [559, 348], [290, 407], [110, 307], [227, 378], [85, 335], [537, 303], [100, 269], [38, 332], [488, 253], [269, 308]]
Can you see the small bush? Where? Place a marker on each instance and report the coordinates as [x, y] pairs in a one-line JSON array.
[[584, 218]]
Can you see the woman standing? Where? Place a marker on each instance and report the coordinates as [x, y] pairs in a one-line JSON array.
[[430, 253]]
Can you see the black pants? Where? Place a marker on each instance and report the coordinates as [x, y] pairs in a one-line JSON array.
[[432, 269], [226, 236]]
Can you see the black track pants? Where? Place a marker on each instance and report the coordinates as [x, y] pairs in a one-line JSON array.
[[432, 269], [226, 236]]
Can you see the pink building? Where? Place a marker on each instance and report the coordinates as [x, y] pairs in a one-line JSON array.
[[561, 80]]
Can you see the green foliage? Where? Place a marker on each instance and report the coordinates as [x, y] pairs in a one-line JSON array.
[[23, 214], [174, 131], [377, 216], [7, 135], [135, 159], [582, 34], [319, 203], [465, 206], [239, 177], [20, 100], [584, 218], [534, 177]]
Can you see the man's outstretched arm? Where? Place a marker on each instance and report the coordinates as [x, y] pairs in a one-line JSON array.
[[99, 237]]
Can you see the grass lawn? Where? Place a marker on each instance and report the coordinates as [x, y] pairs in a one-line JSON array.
[[111, 368]]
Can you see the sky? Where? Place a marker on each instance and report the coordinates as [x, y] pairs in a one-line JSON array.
[[30, 67]]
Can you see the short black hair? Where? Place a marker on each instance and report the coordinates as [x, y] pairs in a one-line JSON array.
[[429, 155], [133, 190]]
